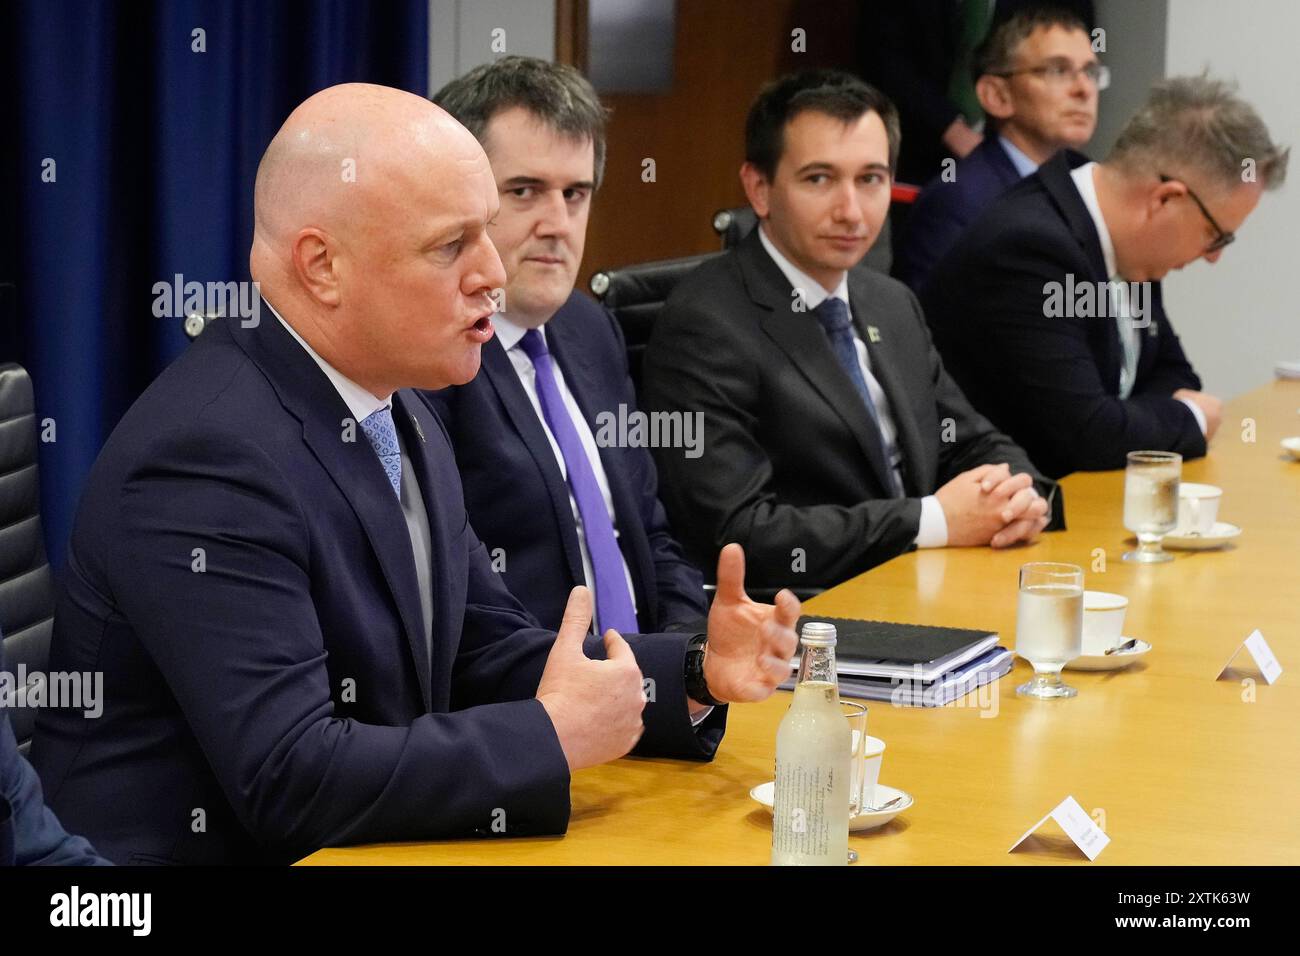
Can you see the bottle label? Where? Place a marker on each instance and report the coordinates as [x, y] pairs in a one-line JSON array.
[[800, 826]]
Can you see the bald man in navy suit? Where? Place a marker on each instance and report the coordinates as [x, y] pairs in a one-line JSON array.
[[302, 638]]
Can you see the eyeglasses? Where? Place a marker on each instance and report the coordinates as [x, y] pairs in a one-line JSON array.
[[1063, 74], [1221, 238]]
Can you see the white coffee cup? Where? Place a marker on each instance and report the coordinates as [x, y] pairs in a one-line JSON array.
[[1103, 621], [872, 757], [1198, 507]]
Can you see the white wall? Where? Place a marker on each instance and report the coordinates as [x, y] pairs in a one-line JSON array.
[[1237, 317], [460, 34], [1135, 53]]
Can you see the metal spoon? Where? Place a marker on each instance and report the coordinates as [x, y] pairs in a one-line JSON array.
[[1127, 645], [884, 806]]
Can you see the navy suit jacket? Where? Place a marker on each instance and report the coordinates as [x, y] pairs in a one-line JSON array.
[[944, 209], [29, 831], [1051, 382], [241, 572], [518, 500]]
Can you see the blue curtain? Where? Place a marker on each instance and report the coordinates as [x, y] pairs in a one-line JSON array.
[[135, 130]]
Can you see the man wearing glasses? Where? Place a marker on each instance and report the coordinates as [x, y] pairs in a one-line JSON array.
[[1048, 312], [1037, 79]]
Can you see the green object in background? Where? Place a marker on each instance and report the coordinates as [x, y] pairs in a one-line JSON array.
[[973, 19]]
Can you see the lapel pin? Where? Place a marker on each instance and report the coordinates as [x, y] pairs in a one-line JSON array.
[[418, 430], [873, 333]]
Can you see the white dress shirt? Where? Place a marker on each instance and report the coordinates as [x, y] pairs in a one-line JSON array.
[[1087, 186], [933, 531], [510, 335]]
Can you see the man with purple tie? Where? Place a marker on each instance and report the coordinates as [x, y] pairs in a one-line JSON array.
[[555, 504]]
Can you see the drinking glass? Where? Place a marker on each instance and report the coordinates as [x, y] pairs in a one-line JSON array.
[[1049, 625], [1151, 502], [856, 716]]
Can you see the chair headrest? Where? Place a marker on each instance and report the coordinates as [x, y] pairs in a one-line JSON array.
[[647, 282]]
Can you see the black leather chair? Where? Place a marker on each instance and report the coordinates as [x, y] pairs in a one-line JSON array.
[[636, 294], [26, 583], [732, 225]]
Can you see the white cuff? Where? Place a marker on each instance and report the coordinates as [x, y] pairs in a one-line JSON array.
[[1196, 410], [933, 532], [697, 720]]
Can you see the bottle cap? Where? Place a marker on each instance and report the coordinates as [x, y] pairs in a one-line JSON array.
[[818, 634]]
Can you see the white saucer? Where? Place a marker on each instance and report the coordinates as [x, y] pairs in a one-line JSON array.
[[1218, 536], [1292, 447], [1109, 662], [764, 794]]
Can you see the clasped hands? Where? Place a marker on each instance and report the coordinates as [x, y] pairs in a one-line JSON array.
[[989, 505]]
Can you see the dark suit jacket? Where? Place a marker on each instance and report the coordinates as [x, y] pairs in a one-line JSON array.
[[945, 208], [1053, 383], [907, 48], [30, 834], [518, 500], [241, 572], [790, 458]]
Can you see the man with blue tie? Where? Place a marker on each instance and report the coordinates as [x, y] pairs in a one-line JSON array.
[[556, 508], [834, 439], [1037, 79], [302, 639]]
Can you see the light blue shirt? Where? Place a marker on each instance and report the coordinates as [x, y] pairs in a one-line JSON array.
[[1024, 165]]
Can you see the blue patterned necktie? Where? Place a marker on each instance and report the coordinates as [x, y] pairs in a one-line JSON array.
[[833, 314], [379, 428], [614, 606]]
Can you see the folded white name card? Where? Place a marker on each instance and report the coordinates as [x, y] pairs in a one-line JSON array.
[[1263, 655], [1078, 826]]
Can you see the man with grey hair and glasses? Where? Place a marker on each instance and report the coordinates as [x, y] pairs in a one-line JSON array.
[[1038, 79], [1048, 310]]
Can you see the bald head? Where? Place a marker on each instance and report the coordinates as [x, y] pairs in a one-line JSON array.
[[344, 153], [354, 198]]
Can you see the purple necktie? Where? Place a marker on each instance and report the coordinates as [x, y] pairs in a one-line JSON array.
[[613, 600]]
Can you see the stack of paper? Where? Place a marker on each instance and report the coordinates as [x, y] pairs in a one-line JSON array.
[[911, 665]]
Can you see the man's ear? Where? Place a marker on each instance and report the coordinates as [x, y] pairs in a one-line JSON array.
[[757, 188], [313, 263], [995, 96], [1163, 193]]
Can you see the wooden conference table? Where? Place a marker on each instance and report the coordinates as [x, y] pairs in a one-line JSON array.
[[1185, 769]]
